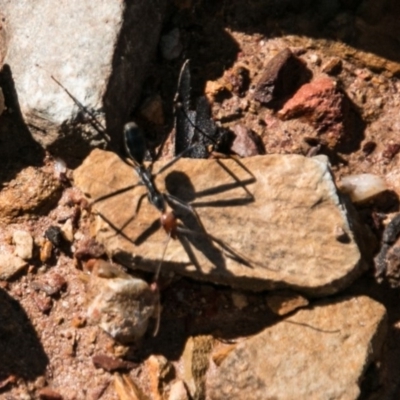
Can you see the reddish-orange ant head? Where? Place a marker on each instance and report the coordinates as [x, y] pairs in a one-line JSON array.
[[170, 223]]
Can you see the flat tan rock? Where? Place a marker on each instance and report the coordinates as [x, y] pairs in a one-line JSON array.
[[272, 221], [320, 353]]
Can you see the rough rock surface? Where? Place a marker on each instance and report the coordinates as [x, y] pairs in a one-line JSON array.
[[31, 191], [321, 104], [276, 226], [23, 244], [246, 142], [98, 51], [195, 363], [284, 302], [10, 265], [287, 361]]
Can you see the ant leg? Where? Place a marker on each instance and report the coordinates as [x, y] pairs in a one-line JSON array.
[[157, 314], [120, 230], [229, 251], [126, 223], [230, 173], [97, 125], [115, 193], [117, 230], [157, 274], [156, 288], [187, 207], [174, 160]]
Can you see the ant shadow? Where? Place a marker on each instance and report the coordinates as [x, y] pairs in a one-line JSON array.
[[21, 353]]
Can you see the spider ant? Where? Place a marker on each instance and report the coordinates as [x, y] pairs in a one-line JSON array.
[[135, 148], [165, 202], [191, 140]]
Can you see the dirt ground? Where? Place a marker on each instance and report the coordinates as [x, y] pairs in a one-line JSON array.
[[43, 306]]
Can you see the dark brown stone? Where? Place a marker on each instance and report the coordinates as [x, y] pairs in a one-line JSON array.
[[282, 76]]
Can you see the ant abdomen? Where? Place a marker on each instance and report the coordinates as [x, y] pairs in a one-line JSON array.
[[170, 224], [134, 142]]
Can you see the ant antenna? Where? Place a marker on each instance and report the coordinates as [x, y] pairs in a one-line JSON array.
[[97, 125], [182, 102]]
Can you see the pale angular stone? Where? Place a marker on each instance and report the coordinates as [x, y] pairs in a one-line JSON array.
[[178, 391], [119, 303], [98, 50], [10, 265], [283, 236], [67, 230], [23, 244], [321, 353]]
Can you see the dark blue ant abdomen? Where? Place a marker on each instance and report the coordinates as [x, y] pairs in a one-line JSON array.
[[134, 142]]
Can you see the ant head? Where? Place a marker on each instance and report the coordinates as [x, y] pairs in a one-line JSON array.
[[135, 145]]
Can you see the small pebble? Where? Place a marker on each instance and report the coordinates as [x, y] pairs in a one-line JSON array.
[[119, 303], [391, 150], [50, 284], [2, 102], [45, 251], [10, 265], [60, 169], [171, 45], [88, 248], [78, 322], [239, 300], [332, 66], [43, 303], [178, 391], [246, 143], [284, 301], [49, 394], [24, 244], [111, 364], [152, 110], [315, 59], [54, 234], [362, 187], [67, 230]]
